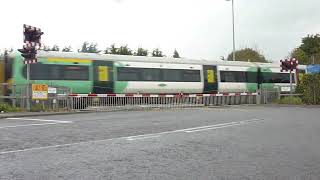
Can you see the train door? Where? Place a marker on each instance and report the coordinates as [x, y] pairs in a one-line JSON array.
[[210, 79], [102, 77]]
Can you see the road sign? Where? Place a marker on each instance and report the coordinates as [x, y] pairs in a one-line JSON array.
[[52, 90], [39, 91], [313, 69]]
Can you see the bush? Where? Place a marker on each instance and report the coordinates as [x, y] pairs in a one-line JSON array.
[[309, 87], [7, 108], [37, 108], [291, 100]]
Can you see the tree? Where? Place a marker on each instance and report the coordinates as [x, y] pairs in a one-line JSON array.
[[46, 48], [141, 52], [248, 54], [309, 50], [55, 48], [67, 49], [124, 50], [157, 53], [111, 50], [89, 48], [176, 54], [300, 55]]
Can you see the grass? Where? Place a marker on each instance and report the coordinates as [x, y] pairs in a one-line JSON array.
[[8, 108], [290, 100]]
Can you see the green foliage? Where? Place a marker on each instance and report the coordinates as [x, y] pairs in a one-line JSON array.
[[157, 53], [122, 50], [291, 100], [309, 86], [308, 51], [55, 48], [111, 50], [248, 55], [48, 48], [300, 55], [67, 49], [141, 52], [7, 108], [89, 48], [37, 108], [176, 54]]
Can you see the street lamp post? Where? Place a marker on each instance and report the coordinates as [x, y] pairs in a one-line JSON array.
[[233, 33]]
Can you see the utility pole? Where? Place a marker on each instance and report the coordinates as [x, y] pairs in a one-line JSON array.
[[233, 32]]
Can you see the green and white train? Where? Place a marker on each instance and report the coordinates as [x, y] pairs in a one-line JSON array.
[[94, 73]]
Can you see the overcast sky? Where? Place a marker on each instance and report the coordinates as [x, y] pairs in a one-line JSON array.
[[200, 29]]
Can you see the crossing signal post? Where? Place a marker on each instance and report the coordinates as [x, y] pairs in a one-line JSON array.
[[289, 65], [32, 42]]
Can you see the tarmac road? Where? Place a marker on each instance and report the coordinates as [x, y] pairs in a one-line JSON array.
[[240, 142]]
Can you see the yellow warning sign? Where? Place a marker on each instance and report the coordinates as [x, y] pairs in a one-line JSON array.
[[39, 91], [103, 73], [210, 76]]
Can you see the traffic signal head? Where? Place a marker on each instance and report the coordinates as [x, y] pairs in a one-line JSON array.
[[32, 34], [294, 64], [285, 65], [28, 52], [289, 65]]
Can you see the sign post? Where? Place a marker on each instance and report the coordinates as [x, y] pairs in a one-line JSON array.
[[289, 65], [39, 92], [32, 40]]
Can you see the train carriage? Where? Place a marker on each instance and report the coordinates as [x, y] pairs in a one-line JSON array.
[[95, 73]]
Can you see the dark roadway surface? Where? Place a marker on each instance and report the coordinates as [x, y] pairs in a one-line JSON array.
[[269, 143]]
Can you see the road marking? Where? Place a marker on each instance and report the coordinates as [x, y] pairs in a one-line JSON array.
[[26, 125], [143, 136], [40, 120]]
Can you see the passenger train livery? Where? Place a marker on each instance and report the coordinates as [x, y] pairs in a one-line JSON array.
[[100, 74]]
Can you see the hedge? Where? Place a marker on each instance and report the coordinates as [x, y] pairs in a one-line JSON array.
[[309, 87]]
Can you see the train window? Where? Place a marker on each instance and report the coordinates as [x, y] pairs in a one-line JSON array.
[[172, 75], [238, 76], [79, 73], [151, 74], [227, 76], [252, 77], [191, 76], [128, 74], [269, 77], [57, 72], [38, 71]]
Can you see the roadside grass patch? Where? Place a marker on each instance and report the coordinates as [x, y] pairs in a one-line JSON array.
[[291, 100]]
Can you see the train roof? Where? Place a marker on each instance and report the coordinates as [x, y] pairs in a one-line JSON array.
[[110, 57]]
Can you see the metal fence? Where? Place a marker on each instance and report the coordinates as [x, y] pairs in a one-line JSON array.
[[103, 102], [60, 99], [273, 95], [16, 96]]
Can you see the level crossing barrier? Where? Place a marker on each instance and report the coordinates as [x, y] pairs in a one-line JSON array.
[[102, 102]]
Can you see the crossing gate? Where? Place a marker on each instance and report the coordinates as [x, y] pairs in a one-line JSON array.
[[102, 102]]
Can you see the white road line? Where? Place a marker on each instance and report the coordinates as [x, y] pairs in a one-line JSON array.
[[204, 127], [143, 136], [219, 126], [212, 128], [40, 120], [27, 125]]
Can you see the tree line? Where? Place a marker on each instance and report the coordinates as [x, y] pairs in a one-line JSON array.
[[113, 49], [308, 52]]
